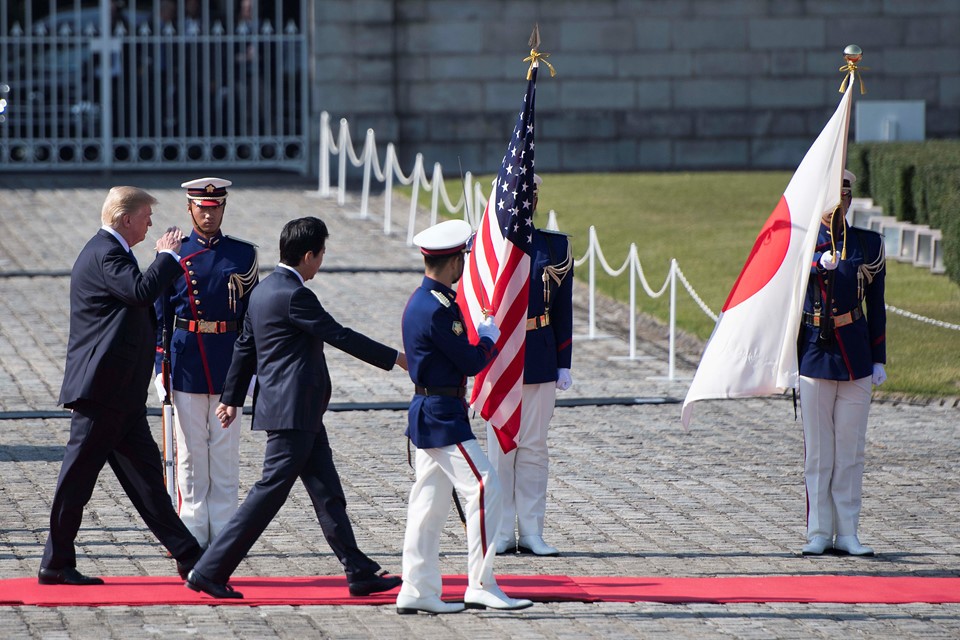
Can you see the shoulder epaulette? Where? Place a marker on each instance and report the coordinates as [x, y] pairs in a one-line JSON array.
[[867, 232], [444, 300], [252, 244]]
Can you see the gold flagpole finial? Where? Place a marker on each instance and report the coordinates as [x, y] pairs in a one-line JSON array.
[[535, 55], [852, 54]]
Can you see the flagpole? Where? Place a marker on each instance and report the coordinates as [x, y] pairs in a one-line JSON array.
[[752, 350]]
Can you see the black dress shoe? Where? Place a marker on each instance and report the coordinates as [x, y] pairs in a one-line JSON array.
[[375, 584], [198, 582], [68, 575]]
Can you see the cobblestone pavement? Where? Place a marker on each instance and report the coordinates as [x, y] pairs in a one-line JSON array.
[[631, 492]]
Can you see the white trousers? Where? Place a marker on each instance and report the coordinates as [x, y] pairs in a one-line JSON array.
[[834, 435], [523, 471], [208, 465], [439, 470]]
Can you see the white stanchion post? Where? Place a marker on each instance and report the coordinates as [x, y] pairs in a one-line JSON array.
[[342, 173], [388, 167], [416, 176], [673, 319], [369, 149], [634, 260], [591, 311], [479, 204], [552, 221], [467, 209], [324, 186], [435, 196]]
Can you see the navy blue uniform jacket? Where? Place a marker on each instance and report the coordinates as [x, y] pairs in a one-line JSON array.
[[856, 346], [549, 348], [282, 342], [439, 355], [110, 351], [199, 361]]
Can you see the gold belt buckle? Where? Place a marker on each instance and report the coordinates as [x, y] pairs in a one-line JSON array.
[[206, 326]]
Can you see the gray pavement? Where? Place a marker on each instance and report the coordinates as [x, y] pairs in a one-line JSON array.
[[631, 492]]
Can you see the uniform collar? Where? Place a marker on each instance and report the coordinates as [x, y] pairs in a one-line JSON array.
[[203, 242], [432, 285]]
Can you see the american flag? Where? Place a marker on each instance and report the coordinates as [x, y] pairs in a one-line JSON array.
[[496, 280]]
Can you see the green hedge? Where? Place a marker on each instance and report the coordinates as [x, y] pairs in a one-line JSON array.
[[917, 182]]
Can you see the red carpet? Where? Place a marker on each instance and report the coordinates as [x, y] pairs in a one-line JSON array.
[[144, 591]]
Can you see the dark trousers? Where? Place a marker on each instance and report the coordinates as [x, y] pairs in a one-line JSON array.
[[101, 435], [289, 455]]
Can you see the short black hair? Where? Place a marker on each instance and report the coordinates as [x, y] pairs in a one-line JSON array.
[[435, 263], [301, 236]]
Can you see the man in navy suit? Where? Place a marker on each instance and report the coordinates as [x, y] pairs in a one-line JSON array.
[[106, 377], [282, 342]]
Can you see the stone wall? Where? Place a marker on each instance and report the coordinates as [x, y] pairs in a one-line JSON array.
[[641, 84]]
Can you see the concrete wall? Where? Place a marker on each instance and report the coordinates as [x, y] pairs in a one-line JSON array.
[[641, 84]]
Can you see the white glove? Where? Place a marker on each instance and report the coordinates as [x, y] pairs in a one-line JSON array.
[[251, 386], [488, 329], [564, 381], [158, 384], [828, 261], [879, 374]]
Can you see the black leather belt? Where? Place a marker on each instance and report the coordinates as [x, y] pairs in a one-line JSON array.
[[206, 326], [452, 392], [841, 320]]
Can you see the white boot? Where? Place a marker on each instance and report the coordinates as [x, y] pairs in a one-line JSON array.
[[506, 545], [536, 546], [817, 546], [850, 545], [430, 604], [492, 597]]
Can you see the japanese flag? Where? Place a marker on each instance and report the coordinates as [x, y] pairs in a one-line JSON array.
[[753, 349]]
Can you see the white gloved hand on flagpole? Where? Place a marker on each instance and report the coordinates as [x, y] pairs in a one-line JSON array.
[[488, 329], [879, 374], [564, 379], [828, 261], [158, 384]]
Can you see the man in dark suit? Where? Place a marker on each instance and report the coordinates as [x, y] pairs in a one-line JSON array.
[[282, 342], [107, 373]]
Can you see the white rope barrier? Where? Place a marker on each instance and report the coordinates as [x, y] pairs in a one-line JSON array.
[[919, 318], [435, 185]]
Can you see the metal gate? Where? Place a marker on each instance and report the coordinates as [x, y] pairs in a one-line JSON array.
[[94, 84]]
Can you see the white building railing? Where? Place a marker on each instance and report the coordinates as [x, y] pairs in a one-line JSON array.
[[369, 160]]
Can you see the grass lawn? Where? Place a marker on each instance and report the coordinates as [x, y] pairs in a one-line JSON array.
[[708, 222]]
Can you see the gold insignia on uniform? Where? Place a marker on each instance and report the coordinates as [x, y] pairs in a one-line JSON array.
[[444, 300], [457, 328]]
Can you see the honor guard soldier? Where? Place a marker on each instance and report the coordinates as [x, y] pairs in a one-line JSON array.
[[841, 350], [202, 312], [448, 457], [546, 368]]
